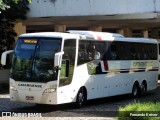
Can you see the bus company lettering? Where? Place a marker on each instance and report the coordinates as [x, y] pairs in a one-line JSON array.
[[30, 85], [142, 64]]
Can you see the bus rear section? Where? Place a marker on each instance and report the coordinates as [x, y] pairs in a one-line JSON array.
[[117, 66]]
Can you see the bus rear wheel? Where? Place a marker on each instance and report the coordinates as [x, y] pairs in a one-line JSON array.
[[135, 90], [143, 88], [81, 98]]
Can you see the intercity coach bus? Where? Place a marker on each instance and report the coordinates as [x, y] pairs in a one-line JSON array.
[[76, 66]]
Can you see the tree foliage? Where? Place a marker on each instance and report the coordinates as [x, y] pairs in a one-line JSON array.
[[4, 3], [17, 9], [3, 6]]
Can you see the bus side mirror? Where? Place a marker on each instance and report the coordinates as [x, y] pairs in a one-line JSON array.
[[57, 58], [4, 56]]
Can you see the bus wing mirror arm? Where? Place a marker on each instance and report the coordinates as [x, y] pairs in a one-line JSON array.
[[4, 56], [58, 58]]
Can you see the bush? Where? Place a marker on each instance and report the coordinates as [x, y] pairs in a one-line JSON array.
[[140, 111]]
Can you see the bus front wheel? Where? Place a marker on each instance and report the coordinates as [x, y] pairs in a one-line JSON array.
[[81, 97]]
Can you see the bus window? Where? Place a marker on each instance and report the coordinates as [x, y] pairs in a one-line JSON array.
[[114, 52], [123, 50], [36, 62], [133, 53], [65, 68], [85, 52]]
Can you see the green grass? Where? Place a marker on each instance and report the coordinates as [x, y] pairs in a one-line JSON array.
[[140, 111]]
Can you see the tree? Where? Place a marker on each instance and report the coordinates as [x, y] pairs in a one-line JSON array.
[[11, 10], [4, 5]]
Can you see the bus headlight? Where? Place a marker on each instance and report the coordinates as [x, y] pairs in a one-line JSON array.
[[49, 90], [12, 87]]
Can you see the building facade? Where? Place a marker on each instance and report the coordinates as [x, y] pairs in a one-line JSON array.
[[131, 18]]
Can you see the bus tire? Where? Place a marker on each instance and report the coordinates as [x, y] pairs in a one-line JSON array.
[[143, 88], [81, 97], [135, 90]]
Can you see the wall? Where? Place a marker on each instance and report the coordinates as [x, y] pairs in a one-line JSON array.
[[48, 8]]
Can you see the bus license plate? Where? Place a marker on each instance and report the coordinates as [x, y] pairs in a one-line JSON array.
[[29, 97]]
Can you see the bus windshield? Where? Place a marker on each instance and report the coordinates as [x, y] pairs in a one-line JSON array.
[[33, 59]]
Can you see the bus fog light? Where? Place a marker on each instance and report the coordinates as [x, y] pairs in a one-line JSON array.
[[12, 87], [49, 90]]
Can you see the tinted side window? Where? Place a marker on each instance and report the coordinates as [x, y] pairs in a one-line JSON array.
[[92, 50], [85, 52], [116, 50], [153, 51]]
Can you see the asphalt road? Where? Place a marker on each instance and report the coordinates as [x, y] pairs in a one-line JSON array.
[[106, 107]]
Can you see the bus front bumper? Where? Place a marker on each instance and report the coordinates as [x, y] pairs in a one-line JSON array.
[[33, 97]]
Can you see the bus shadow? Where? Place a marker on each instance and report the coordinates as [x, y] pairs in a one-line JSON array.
[[40, 108], [120, 99]]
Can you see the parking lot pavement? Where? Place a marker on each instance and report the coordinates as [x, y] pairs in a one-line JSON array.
[[93, 108]]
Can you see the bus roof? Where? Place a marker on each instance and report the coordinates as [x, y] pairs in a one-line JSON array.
[[109, 36], [96, 35], [141, 40], [91, 35], [50, 34]]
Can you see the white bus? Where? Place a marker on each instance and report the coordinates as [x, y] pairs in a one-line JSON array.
[[57, 68]]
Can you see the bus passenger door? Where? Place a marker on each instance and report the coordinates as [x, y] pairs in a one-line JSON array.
[[68, 62], [65, 94]]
